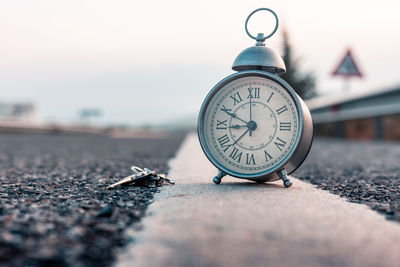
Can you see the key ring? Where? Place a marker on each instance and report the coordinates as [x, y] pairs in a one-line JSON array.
[[261, 37]]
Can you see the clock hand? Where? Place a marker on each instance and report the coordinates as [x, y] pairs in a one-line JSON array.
[[241, 136], [233, 115], [250, 108], [251, 131], [237, 126]]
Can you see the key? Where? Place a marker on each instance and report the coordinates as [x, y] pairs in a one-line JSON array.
[[125, 180], [136, 170], [140, 175], [164, 177], [137, 177], [153, 173], [147, 174]]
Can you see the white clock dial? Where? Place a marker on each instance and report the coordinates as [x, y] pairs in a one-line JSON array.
[[251, 125]]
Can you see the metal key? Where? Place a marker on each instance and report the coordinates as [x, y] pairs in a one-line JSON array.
[[136, 169], [137, 177], [125, 180], [163, 176]]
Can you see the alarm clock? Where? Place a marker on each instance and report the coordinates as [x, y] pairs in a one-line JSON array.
[[252, 124]]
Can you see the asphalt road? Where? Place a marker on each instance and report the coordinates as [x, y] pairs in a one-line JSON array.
[[362, 172], [54, 208]]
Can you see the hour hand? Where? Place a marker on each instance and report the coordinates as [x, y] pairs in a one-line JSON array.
[[233, 115], [237, 126]]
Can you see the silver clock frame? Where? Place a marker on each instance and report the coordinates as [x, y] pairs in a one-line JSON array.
[[292, 160]]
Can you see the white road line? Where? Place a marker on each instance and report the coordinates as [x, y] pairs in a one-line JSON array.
[[239, 223]]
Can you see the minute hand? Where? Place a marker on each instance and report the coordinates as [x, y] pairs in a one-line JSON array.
[[251, 131], [233, 115]]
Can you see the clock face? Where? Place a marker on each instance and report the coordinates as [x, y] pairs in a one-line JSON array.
[[250, 126]]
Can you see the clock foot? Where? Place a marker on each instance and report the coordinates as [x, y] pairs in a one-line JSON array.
[[217, 179], [283, 175]]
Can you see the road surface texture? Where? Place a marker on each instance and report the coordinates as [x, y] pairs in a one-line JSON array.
[[362, 172], [54, 208], [240, 223]]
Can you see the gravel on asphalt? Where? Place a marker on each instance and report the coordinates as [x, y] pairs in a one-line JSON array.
[[362, 172], [54, 206]]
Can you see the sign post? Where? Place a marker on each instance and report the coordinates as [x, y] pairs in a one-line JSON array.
[[347, 68]]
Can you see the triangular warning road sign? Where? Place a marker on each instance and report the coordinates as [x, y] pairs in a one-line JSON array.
[[347, 67]]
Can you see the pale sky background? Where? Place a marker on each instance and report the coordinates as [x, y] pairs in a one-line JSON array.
[[151, 62]]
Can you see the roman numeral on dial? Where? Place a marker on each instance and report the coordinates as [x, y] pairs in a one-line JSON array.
[[224, 109], [270, 96], [250, 160], [279, 143], [223, 141], [267, 156], [281, 110], [236, 98], [236, 154], [253, 92], [221, 125], [285, 126]]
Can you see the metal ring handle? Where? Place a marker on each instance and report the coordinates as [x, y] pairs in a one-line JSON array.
[[136, 170], [269, 35]]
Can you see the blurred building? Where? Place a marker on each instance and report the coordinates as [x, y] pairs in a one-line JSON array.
[[369, 115], [18, 113], [90, 116]]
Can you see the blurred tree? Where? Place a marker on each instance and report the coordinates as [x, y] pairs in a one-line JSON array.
[[302, 83]]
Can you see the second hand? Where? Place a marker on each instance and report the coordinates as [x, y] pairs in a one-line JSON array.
[[241, 136]]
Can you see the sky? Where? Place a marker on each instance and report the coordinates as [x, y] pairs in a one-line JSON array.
[[153, 62]]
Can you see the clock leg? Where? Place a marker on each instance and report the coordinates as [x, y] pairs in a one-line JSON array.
[[217, 179], [283, 175]]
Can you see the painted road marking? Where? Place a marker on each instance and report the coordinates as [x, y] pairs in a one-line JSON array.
[[239, 223]]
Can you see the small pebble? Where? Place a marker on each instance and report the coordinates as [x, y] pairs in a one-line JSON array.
[[105, 212]]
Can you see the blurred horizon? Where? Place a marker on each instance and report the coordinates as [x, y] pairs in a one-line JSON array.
[[152, 63]]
